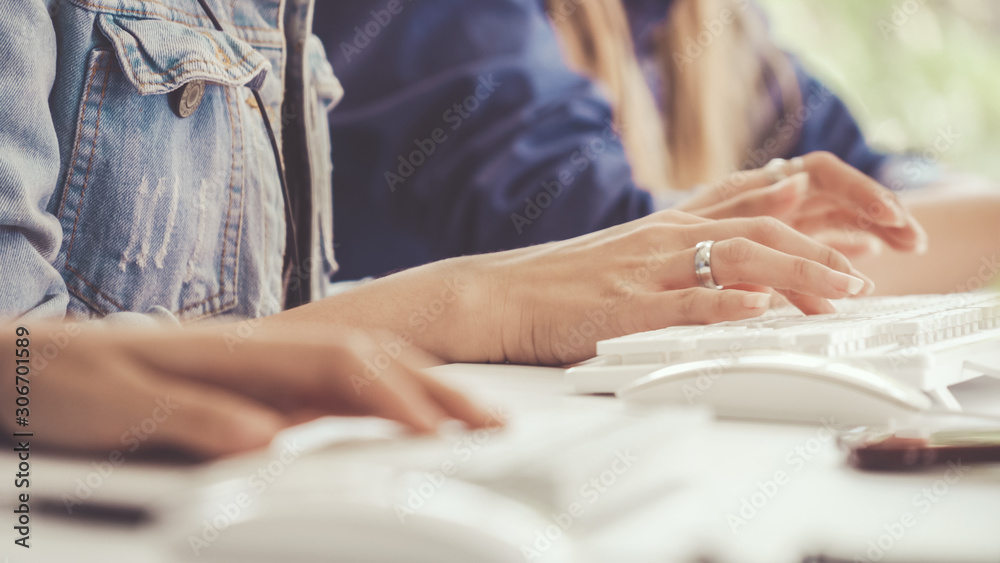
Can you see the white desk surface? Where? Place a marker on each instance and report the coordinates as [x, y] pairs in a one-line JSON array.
[[825, 506]]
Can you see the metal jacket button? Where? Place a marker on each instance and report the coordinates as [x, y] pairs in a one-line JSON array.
[[186, 99]]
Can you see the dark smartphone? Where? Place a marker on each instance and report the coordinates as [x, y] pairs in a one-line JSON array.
[[901, 450]]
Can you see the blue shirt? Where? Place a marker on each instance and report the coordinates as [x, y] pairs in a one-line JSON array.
[[463, 131]]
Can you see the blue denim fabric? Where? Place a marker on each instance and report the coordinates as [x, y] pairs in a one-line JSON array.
[[111, 203]]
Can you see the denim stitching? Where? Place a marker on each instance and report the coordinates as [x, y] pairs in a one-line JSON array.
[[232, 179], [96, 290], [218, 48], [79, 134], [229, 208], [90, 163], [243, 194], [96, 68], [108, 9], [179, 77], [116, 35], [223, 306], [85, 300]]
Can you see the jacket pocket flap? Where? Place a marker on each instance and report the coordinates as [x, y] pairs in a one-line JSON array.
[[159, 56]]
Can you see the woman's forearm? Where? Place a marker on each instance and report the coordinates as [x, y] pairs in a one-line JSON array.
[[445, 308]]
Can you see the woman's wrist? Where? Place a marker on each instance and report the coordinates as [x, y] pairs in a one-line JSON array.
[[448, 308]]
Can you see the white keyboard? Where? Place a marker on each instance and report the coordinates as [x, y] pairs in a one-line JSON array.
[[544, 458], [927, 341]]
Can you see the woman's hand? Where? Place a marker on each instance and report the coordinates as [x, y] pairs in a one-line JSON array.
[[213, 392], [557, 300], [820, 195], [551, 303]]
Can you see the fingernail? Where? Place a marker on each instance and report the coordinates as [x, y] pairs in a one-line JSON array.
[[923, 242], [875, 247], [256, 431], [843, 282], [756, 300], [899, 215], [869, 284], [922, 247]]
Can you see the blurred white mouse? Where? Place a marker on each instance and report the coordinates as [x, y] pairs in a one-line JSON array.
[[362, 514], [786, 388]]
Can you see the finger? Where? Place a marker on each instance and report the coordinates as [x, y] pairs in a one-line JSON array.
[[697, 306], [740, 260], [906, 239], [739, 183], [211, 422], [674, 217], [391, 393], [912, 237], [772, 233], [751, 288], [328, 378], [851, 243], [809, 304], [780, 200], [419, 358], [775, 234], [455, 403], [834, 177]]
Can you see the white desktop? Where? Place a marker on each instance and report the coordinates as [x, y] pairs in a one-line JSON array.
[[572, 478]]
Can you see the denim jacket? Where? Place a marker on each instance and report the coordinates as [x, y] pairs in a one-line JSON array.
[[114, 202]]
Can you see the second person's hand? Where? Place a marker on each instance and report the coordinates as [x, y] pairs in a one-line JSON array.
[[817, 194]]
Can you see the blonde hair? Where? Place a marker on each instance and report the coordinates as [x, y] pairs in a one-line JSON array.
[[710, 78], [597, 42]]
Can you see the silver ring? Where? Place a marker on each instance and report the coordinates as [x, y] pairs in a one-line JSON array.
[[703, 264], [776, 169]]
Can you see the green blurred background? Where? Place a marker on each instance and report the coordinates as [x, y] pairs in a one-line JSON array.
[[907, 69]]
